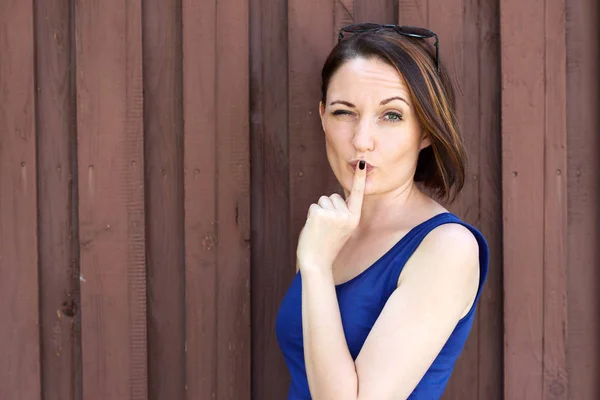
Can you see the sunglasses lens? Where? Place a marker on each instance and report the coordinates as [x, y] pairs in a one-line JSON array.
[[416, 32], [360, 28]]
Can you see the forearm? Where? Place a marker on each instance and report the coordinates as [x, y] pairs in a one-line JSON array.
[[329, 366]]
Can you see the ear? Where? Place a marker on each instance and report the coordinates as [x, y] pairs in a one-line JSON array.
[[321, 113], [425, 141]]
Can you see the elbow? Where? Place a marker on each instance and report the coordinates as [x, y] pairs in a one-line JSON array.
[[336, 391]]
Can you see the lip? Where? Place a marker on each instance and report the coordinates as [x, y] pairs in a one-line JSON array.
[[354, 163]]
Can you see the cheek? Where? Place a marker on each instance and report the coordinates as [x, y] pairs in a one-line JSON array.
[[400, 149], [337, 134]]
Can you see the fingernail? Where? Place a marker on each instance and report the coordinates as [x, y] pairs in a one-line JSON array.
[[361, 164]]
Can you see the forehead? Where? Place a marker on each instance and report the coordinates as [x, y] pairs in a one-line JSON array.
[[367, 76]]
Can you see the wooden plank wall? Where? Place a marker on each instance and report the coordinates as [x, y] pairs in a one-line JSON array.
[[19, 331], [157, 160], [583, 197], [549, 199], [124, 216]]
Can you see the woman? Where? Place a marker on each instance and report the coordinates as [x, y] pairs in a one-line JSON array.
[[388, 279]]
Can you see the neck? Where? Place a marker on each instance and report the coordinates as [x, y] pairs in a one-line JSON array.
[[381, 209]]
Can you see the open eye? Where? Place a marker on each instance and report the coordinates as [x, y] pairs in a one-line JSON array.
[[393, 116]]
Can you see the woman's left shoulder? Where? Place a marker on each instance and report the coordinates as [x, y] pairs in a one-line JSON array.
[[446, 262], [451, 237], [452, 244]]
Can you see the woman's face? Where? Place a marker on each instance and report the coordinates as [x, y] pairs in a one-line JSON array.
[[369, 115]]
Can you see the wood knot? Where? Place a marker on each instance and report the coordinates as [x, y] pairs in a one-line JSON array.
[[69, 308]]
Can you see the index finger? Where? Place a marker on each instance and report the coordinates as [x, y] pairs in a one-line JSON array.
[[355, 199]]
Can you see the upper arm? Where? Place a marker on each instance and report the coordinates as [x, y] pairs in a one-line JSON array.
[[438, 283]]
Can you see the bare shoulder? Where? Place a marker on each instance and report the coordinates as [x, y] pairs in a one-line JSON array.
[[449, 253], [451, 240]]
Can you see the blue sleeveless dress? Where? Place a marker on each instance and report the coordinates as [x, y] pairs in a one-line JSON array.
[[361, 300]]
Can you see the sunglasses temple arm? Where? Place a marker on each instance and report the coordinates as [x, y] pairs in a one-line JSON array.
[[437, 53]]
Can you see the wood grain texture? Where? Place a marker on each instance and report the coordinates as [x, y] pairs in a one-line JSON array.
[[490, 309], [583, 196], [343, 14], [19, 331], [99, 184], [200, 199], [309, 24], [413, 13], [60, 317], [233, 199], [555, 385], [111, 206], [456, 24], [163, 155], [523, 173], [271, 269], [377, 11]]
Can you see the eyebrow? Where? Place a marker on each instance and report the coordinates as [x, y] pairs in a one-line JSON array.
[[383, 102]]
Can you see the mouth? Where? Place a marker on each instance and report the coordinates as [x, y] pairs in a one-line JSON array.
[[354, 163]]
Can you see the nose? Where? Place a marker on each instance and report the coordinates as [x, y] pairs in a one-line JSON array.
[[363, 138]]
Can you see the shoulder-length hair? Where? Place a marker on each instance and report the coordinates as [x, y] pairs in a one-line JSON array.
[[441, 167]]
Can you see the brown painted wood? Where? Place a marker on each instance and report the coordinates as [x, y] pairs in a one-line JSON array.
[[456, 26], [413, 13], [523, 172], [555, 385], [583, 196], [490, 309], [343, 14], [163, 143], [193, 167], [271, 269], [200, 200], [309, 24], [19, 332], [233, 197], [217, 199], [111, 193], [60, 317], [377, 11]]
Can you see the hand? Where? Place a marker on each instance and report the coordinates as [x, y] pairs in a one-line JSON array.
[[329, 224]]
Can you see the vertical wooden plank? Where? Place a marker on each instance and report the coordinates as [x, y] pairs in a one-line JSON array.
[[221, 91], [413, 13], [233, 200], [271, 271], [343, 14], [455, 23], [60, 319], [163, 144], [490, 308], [522, 47], [200, 201], [583, 179], [20, 373], [111, 207], [310, 22], [555, 385], [377, 11]]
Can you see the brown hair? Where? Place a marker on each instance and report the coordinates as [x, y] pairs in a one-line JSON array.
[[440, 167]]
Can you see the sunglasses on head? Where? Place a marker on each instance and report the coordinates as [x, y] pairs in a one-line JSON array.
[[410, 31]]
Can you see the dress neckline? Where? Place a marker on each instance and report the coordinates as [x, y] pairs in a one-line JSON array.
[[401, 241]]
